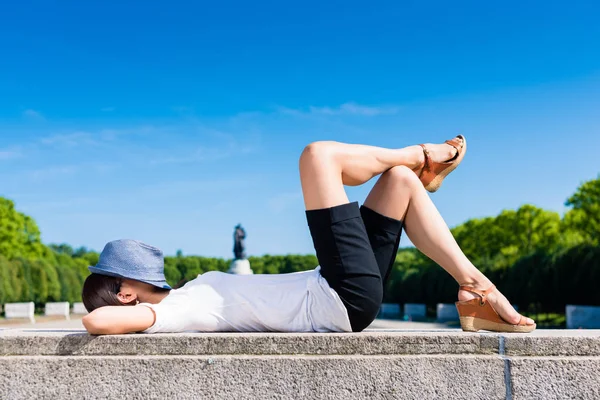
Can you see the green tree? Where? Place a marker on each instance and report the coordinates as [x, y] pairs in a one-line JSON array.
[[584, 217], [62, 248], [535, 229], [41, 281], [494, 243], [11, 282], [71, 274], [576, 276], [409, 263], [19, 234], [91, 258]]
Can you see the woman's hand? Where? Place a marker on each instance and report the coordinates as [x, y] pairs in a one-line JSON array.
[[113, 320]]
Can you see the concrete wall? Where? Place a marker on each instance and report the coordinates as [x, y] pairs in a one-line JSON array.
[[378, 365]]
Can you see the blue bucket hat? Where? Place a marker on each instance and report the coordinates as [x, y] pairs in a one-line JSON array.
[[132, 259]]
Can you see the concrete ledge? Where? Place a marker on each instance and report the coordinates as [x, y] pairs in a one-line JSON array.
[[539, 343], [576, 342], [37, 343], [375, 364]]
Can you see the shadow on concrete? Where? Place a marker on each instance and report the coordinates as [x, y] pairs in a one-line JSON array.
[[74, 343]]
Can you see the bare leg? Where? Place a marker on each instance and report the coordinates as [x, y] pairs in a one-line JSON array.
[[326, 166], [400, 195]]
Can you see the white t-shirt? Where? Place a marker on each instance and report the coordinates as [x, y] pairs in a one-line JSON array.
[[220, 302]]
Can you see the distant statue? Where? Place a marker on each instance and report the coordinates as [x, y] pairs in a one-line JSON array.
[[239, 250]]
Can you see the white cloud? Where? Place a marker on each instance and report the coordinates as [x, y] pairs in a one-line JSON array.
[[60, 172], [289, 111], [113, 134], [10, 154], [32, 114], [204, 154], [70, 139], [353, 108], [230, 148], [52, 172], [350, 108], [50, 204], [79, 138]]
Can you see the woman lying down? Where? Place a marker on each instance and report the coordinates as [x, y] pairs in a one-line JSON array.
[[356, 248]]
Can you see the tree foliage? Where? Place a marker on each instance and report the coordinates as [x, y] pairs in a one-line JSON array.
[[538, 260], [584, 217], [19, 234]]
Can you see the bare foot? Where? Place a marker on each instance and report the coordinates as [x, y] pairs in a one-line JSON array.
[[499, 302], [438, 153]]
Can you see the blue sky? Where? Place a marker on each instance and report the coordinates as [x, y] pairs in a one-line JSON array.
[[172, 122]]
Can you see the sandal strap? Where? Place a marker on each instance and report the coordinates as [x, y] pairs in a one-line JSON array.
[[480, 293], [427, 161]]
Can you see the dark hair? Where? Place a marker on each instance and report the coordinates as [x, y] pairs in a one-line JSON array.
[[100, 290]]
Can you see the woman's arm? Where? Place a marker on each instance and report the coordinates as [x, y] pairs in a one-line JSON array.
[[113, 320]]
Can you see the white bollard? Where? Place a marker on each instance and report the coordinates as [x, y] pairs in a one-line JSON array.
[[389, 310], [59, 308], [79, 308], [583, 317], [20, 310], [414, 311], [446, 312]]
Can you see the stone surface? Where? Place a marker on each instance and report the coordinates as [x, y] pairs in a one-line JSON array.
[[551, 342], [444, 364], [247, 377], [57, 309], [389, 310], [555, 378], [446, 312], [31, 342], [586, 317], [240, 267], [79, 308], [398, 325], [414, 311], [19, 310]]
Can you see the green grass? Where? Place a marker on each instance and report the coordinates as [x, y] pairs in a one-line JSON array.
[[550, 320]]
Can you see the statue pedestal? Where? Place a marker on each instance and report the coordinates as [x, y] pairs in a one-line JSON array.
[[240, 267]]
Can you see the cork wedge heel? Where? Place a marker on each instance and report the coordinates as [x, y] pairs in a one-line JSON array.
[[478, 314], [474, 324], [433, 173]]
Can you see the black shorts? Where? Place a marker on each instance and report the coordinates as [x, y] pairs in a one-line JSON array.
[[356, 250]]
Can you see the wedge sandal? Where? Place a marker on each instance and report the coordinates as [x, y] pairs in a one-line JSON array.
[[478, 314], [433, 173]]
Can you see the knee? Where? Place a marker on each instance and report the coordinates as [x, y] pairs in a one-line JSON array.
[[363, 318], [317, 153], [363, 310], [402, 175]]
